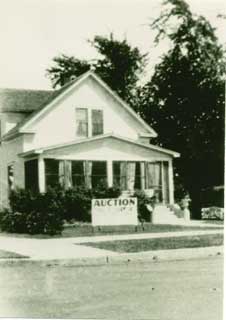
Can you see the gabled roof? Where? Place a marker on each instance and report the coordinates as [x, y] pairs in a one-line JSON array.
[[100, 137], [22, 100], [59, 94]]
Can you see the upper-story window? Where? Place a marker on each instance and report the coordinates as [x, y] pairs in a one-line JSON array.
[[97, 122], [82, 122], [89, 122]]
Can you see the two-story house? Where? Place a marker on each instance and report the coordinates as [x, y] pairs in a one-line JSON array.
[[81, 134]]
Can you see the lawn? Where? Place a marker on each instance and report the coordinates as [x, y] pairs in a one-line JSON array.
[[87, 230], [126, 246], [10, 255], [217, 222]]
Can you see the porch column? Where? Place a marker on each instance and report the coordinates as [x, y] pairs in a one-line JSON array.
[[41, 174], [142, 175], [163, 182], [110, 173], [171, 183]]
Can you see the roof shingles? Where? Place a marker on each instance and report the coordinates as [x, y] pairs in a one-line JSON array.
[[22, 100]]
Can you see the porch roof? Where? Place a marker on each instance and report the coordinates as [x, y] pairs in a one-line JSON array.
[[96, 138]]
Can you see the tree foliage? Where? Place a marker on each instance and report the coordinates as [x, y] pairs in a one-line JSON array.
[[65, 68], [184, 100], [119, 65]]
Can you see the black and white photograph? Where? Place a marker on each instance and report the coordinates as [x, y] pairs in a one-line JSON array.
[[112, 157]]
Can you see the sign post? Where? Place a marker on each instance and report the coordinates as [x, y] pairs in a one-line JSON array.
[[114, 212]]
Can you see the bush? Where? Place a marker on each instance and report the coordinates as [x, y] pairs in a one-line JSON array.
[[213, 213], [37, 213], [13, 221], [103, 192], [25, 201], [180, 192], [77, 201], [77, 204], [34, 213], [44, 222], [142, 201], [32, 223], [21, 200]]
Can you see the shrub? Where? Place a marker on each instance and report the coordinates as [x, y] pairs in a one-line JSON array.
[[25, 201], [142, 200], [37, 213], [77, 201], [21, 200], [44, 223], [13, 221], [34, 213], [180, 192], [103, 192], [77, 204], [213, 213], [33, 223]]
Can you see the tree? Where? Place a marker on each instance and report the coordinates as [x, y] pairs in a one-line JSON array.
[[184, 100], [119, 65], [65, 68]]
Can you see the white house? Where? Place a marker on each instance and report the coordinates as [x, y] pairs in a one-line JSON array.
[[82, 133]]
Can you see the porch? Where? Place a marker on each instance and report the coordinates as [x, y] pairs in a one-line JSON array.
[[154, 177], [106, 160]]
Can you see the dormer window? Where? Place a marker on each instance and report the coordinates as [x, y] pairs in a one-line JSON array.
[[82, 122], [97, 122]]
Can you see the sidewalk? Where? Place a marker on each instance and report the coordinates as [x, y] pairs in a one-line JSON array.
[[70, 248]]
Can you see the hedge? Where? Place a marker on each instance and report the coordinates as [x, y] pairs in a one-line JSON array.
[[212, 213], [33, 213], [37, 213]]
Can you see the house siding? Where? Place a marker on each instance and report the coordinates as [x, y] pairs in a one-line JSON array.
[[59, 124], [9, 120]]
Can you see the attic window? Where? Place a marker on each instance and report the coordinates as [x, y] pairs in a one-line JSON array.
[[82, 122], [97, 122]]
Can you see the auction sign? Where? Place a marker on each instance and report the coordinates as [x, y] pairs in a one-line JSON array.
[[114, 212]]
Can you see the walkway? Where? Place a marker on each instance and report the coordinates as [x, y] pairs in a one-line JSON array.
[[69, 248]]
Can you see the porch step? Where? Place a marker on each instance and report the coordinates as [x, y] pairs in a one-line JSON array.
[[163, 215]]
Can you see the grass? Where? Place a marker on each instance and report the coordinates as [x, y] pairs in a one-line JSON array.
[[217, 222], [9, 255], [86, 229], [126, 246]]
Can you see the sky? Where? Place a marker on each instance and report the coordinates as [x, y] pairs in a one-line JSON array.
[[32, 32]]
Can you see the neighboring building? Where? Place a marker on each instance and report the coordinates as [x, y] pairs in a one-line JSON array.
[[81, 134]]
